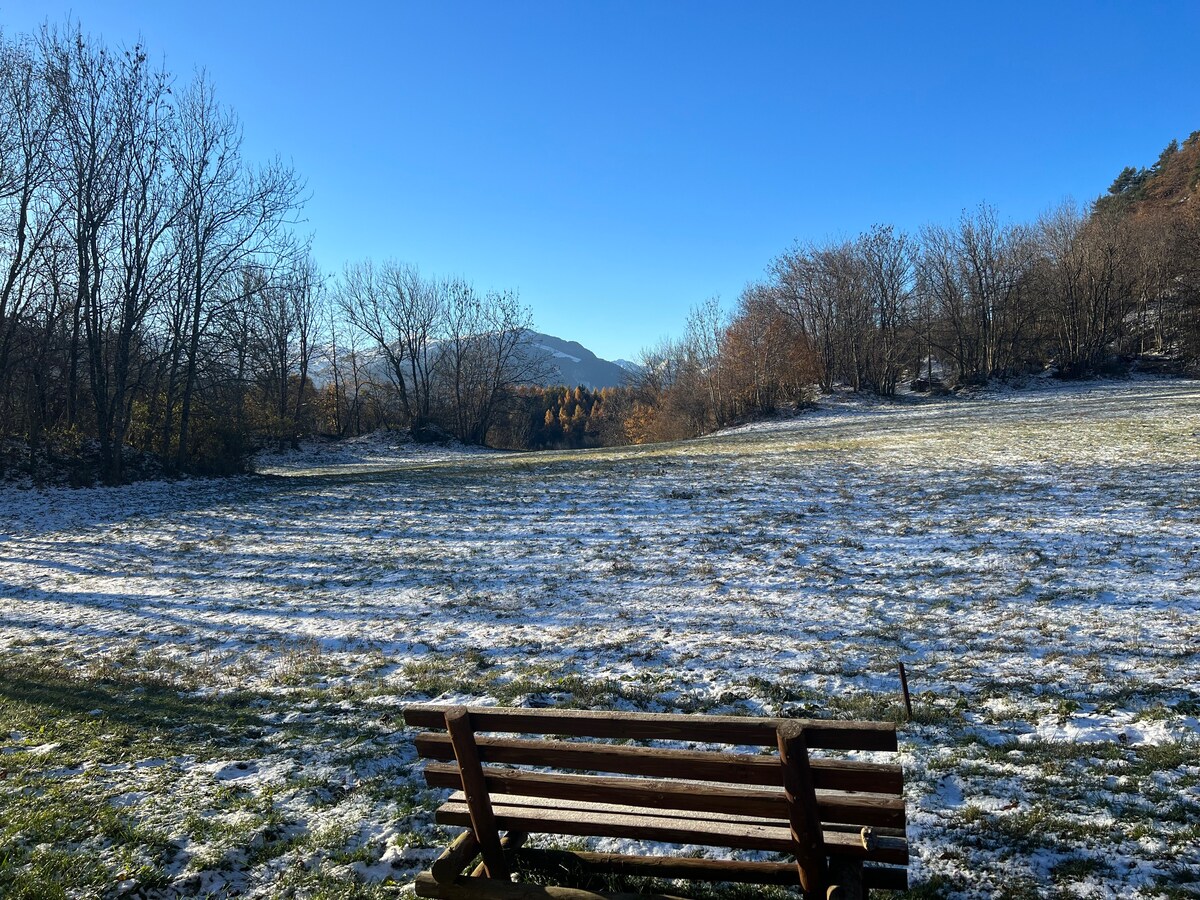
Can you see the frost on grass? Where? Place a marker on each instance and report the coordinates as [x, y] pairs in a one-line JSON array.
[[200, 681]]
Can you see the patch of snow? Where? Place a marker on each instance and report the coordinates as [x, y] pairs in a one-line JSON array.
[[1123, 729], [558, 354], [1031, 556]]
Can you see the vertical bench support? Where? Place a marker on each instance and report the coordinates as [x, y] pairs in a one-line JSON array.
[[455, 858], [479, 804], [802, 809]]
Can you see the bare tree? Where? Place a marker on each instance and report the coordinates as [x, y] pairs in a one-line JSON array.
[[306, 293], [401, 313], [483, 357], [112, 168], [1087, 278], [653, 413], [975, 278], [768, 357], [800, 285], [28, 212], [228, 214], [703, 339], [886, 258], [1159, 254], [288, 306]]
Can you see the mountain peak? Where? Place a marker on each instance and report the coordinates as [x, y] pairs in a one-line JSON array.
[[571, 363]]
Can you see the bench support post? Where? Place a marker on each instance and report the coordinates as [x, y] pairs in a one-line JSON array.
[[455, 858], [802, 810], [479, 804], [510, 843]]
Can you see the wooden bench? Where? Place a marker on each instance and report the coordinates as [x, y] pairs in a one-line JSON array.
[[830, 814]]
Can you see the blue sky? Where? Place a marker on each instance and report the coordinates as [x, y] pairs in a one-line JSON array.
[[618, 162]]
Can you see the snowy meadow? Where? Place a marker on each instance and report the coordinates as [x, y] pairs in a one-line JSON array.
[[200, 681]]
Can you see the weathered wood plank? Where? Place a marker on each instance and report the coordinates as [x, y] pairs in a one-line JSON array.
[[657, 762], [823, 734], [620, 809], [510, 843], [482, 820], [807, 836], [491, 889], [717, 870], [664, 866], [882, 810], [461, 852], [642, 825], [546, 820]]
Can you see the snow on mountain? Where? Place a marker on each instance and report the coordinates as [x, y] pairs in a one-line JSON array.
[[571, 363], [564, 362]]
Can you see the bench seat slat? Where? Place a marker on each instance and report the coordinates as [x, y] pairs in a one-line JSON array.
[[664, 866], [736, 870], [492, 889], [635, 827], [681, 827], [621, 809], [656, 762], [882, 810], [821, 734]]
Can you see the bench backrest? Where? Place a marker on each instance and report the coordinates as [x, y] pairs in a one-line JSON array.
[[742, 796]]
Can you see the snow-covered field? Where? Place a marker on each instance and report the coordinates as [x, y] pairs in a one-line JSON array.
[[199, 682]]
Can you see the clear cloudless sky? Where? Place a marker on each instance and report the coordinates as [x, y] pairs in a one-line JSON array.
[[618, 162]]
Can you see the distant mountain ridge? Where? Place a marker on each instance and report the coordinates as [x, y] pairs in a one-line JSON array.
[[572, 364], [561, 362]]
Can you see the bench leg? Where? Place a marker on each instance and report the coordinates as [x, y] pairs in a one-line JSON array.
[[846, 876], [514, 840]]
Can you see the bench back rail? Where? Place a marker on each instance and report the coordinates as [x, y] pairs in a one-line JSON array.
[[830, 814]]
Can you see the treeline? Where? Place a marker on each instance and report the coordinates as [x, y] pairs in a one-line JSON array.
[[565, 418], [156, 301], [431, 354], [1081, 291], [152, 291]]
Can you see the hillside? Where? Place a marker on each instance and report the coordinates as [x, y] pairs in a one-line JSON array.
[[1171, 183], [565, 362], [236, 652], [571, 363]]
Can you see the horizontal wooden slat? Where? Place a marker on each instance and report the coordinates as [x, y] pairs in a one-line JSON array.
[[742, 871], [820, 734], [605, 806], [886, 810], [629, 822], [491, 889], [738, 835], [629, 791], [655, 762], [664, 866]]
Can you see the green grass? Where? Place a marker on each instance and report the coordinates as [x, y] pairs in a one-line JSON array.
[[1032, 568], [84, 743]]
